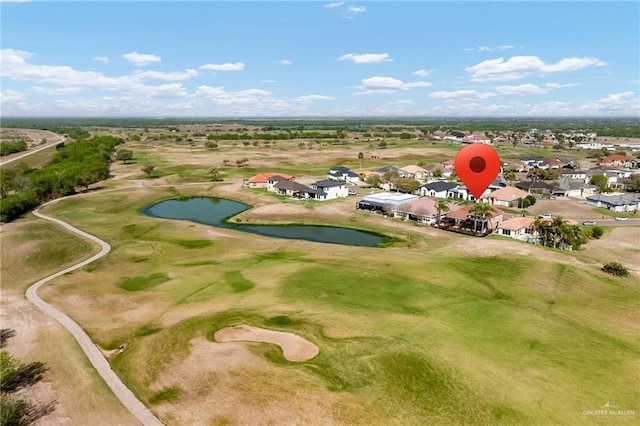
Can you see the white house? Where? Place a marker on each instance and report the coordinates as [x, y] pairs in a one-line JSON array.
[[332, 189], [520, 228]]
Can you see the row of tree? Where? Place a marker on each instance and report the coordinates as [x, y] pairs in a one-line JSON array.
[[76, 165], [7, 148]]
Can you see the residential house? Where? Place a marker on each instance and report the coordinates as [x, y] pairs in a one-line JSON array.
[[530, 163], [618, 160], [385, 202], [573, 174], [291, 188], [551, 163], [331, 188], [476, 138], [271, 182], [576, 188], [536, 187], [504, 197], [342, 173], [520, 228], [422, 210], [391, 169], [261, 179], [416, 172], [465, 218], [438, 189], [627, 202]]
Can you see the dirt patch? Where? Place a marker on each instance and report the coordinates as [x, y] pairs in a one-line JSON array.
[[294, 347]]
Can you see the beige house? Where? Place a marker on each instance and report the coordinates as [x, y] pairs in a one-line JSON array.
[[520, 228], [504, 197]]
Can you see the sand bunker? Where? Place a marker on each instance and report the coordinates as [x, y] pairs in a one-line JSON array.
[[294, 347]]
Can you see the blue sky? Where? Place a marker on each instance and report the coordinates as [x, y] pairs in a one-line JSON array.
[[314, 59]]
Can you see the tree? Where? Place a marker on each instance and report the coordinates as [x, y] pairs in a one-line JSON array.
[[406, 185], [441, 206], [215, 174], [210, 145], [601, 182], [226, 162], [148, 170], [617, 269], [124, 155], [373, 180], [15, 376], [481, 209], [437, 173], [509, 175], [632, 183]]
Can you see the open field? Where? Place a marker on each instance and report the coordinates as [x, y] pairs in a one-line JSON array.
[[437, 329]]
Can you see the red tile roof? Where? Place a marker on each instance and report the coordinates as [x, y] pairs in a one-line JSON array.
[[263, 177]]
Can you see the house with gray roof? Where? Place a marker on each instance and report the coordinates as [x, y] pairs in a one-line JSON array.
[[627, 202]]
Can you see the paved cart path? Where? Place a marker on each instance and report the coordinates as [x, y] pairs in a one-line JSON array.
[[128, 399]]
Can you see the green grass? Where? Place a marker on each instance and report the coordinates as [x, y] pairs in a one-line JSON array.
[[237, 282], [140, 283], [165, 395], [433, 332]]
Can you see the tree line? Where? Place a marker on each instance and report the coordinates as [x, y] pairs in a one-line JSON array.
[[76, 165]]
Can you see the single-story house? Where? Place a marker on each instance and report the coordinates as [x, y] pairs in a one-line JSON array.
[[520, 228], [476, 138], [535, 186], [391, 169], [261, 179], [616, 202], [464, 217], [422, 210], [385, 202], [291, 188], [505, 197], [576, 188], [416, 172]]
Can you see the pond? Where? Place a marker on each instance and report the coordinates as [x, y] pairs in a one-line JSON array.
[[216, 212]]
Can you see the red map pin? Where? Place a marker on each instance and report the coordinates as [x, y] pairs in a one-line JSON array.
[[477, 165]]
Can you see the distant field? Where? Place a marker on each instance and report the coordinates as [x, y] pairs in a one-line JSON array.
[[438, 329]]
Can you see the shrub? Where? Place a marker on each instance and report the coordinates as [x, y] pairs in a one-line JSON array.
[[597, 232], [617, 269]]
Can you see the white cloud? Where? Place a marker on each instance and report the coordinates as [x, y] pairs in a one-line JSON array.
[[347, 11], [461, 94], [488, 49], [311, 98], [102, 59], [170, 76], [366, 58], [624, 103], [384, 85], [67, 90], [522, 89], [238, 66], [284, 62], [14, 65], [268, 81], [422, 73], [10, 96], [356, 9], [518, 67], [141, 58]]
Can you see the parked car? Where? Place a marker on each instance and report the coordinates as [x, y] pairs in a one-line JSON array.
[[621, 218], [589, 223], [546, 216]]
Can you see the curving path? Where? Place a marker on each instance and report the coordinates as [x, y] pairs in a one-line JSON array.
[[128, 399], [59, 139]]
